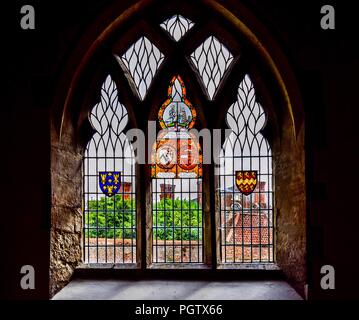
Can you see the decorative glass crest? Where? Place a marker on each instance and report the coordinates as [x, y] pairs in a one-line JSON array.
[[246, 181], [110, 182], [177, 153], [177, 112]]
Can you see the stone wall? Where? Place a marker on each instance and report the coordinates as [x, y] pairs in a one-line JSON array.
[[66, 216], [291, 207]]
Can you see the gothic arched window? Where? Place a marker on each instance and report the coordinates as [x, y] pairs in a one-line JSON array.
[[109, 184], [177, 182], [175, 67], [180, 229], [246, 183]]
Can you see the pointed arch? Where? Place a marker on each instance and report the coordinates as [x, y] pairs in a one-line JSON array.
[[176, 186], [109, 181], [246, 193], [287, 147]]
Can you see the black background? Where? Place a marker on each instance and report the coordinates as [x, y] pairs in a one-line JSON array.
[[325, 62]]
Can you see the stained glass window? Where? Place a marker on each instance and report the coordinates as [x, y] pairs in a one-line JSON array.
[[244, 188], [246, 183], [177, 182], [109, 184]]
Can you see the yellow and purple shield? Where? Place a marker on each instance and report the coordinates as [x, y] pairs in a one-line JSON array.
[[246, 181], [110, 182]]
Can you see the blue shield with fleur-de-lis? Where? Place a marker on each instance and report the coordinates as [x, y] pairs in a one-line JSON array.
[[110, 182]]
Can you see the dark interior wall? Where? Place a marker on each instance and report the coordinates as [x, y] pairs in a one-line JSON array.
[[66, 216], [325, 64], [290, 202]]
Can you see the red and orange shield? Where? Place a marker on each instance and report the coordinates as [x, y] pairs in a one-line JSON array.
[[246, 181]]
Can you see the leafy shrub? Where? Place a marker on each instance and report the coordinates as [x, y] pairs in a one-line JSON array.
[[109, 217], [116, 217], [176, 220]]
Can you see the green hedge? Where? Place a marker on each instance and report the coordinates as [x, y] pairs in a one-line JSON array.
[[117, 217], [111, 215], [176, 220]]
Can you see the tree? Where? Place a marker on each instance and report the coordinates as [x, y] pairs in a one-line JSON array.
[[115, 217], [177, 220]]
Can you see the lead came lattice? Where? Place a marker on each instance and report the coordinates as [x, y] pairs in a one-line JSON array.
[[177, 26], [246, 218], [109, 219], [212, 59], [177, 182], [142, 61]]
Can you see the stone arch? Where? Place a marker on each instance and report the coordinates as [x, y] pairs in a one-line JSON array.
[[69, 131]]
